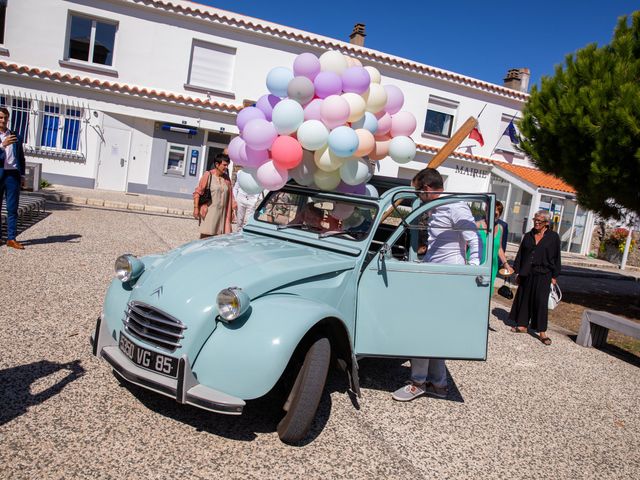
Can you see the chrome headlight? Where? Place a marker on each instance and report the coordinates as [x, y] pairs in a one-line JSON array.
[[128, 267], [232, 302]]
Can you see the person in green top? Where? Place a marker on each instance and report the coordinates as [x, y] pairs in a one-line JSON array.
[[499, 257]]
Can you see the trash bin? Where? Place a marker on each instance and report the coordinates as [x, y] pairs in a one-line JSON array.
[[32, 175]]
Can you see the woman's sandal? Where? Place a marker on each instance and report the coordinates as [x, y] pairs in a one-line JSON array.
[[518, 330], [545, 340]]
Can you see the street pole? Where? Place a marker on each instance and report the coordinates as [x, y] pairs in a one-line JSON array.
[[627, 245]]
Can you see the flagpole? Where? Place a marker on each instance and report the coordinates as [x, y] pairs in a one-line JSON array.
[[502, 135], [477, 126]]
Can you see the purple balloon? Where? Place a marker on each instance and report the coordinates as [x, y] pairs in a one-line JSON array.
[[395, 99], [327, 83], [355, 80], [359, 189], [236, 149], [306, 65], [255, 158], [247, 114], [266, 103], [259, 134], [312, 110]]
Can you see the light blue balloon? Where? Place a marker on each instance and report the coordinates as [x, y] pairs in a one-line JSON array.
[[343, 141], [368, 122], [287, 116], [278, 81]]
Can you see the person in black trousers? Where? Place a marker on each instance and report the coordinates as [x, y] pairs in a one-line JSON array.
[[538, 266]]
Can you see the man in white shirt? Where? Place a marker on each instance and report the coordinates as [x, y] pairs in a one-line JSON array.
[[451, 229], [246, 204], [11, 169]]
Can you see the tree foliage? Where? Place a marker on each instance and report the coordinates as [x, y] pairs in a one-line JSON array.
[[583, 124]]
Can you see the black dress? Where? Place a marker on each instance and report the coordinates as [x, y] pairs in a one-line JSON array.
[[536, 265]]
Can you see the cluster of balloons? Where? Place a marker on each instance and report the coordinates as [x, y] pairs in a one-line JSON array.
[[321, 124]]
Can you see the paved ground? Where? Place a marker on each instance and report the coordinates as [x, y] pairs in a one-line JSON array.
[[530, 411]]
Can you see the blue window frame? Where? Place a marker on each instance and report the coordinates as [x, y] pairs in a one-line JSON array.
[[20, 117], [50, 126], [71, 130]]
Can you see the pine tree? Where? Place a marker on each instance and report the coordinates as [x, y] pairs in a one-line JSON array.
[[583, 124]]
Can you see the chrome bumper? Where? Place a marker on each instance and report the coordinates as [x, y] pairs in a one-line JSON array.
[[184, 389]]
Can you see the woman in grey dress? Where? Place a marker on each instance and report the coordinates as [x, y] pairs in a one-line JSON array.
[[215, 215]]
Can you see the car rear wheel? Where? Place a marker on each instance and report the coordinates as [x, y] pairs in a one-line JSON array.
[[302, 403]]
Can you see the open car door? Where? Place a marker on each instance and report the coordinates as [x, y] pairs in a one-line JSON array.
[[410, 308]]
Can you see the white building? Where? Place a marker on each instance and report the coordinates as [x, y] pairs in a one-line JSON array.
[[139, 96]]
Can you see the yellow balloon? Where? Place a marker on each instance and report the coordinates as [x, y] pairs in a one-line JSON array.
[[326, 180], [326, 160], [376, 98], [374, 74], [333, 61], [357, 106]]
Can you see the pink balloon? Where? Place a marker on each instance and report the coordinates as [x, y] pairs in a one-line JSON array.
[[306, 65], [334, 111], [355, 80], [266, 103], [286, 152], [271, 177], [259, 134], [384, 123], [327, 84], [402, 124], [247, 114], [312, 110], [380, 151], [254, 158], [395, 99], [366, 142]]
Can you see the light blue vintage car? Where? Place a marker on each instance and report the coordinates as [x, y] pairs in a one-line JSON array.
[[315, 276]]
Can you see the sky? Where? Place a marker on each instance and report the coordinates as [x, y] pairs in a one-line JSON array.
[[480, 39]]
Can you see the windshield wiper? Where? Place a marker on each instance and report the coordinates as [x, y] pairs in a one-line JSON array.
[[303, 226], [333, 233]]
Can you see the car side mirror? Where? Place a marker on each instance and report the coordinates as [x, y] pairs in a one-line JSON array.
[[383, 251]]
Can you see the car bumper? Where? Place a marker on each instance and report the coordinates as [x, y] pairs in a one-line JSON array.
[[184, 389]]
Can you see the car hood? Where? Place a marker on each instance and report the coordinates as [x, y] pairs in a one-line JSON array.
[[184, 283]]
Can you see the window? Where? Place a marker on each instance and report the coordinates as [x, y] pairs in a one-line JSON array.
[[91, 40], [53, 122], [176, 159], [20, 117], [211, 67], [3, 13], [440, 116]]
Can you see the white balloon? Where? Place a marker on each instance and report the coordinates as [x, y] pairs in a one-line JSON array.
[[357, 106], [354, 171], [376, 98], [303, 173], [287, 116], [372, 191], [313, 135], [248, 183], [402, 149]]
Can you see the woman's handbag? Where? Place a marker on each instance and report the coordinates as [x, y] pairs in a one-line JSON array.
[[555, 295], [505, 291], [206, 195]]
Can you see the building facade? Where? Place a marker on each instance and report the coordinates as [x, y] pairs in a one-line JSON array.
[[140, 95]]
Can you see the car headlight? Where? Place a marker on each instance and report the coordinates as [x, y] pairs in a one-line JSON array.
[[128, 267], [232, 302]]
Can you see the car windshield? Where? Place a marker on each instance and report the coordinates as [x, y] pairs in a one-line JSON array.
[[318, 213]]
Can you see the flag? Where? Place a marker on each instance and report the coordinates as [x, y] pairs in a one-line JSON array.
[[477, 136], [511, 131]]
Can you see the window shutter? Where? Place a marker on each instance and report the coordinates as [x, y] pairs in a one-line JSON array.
[[212, 66]]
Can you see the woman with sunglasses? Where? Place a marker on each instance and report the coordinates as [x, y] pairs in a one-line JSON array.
[[538, 266]]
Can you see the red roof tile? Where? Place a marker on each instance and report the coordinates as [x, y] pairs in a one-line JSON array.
[[133, 90], [536, 177]]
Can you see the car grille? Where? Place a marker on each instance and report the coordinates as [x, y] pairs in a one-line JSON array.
[[153, 326]]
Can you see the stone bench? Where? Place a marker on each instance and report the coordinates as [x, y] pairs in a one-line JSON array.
[[595, 327]]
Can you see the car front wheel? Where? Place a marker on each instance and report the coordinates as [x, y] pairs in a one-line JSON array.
[[302, 403]]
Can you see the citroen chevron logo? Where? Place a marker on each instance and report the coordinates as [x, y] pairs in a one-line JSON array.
[[157, 291]]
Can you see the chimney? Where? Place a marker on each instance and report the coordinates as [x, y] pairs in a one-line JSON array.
[[357, 36], [518, 79]]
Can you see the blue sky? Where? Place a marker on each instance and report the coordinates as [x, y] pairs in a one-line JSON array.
[[481, 39]]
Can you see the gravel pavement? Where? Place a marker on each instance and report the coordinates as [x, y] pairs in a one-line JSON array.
[[530, 411]]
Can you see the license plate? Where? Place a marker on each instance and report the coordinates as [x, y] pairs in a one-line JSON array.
[[144, 358]]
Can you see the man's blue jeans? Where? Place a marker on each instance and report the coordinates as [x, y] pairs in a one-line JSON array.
[[10, 185]]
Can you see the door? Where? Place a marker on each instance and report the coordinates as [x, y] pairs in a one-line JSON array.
[[411, 308], [114, 159]]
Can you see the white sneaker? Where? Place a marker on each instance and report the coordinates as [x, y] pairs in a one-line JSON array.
[[409, 392]]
